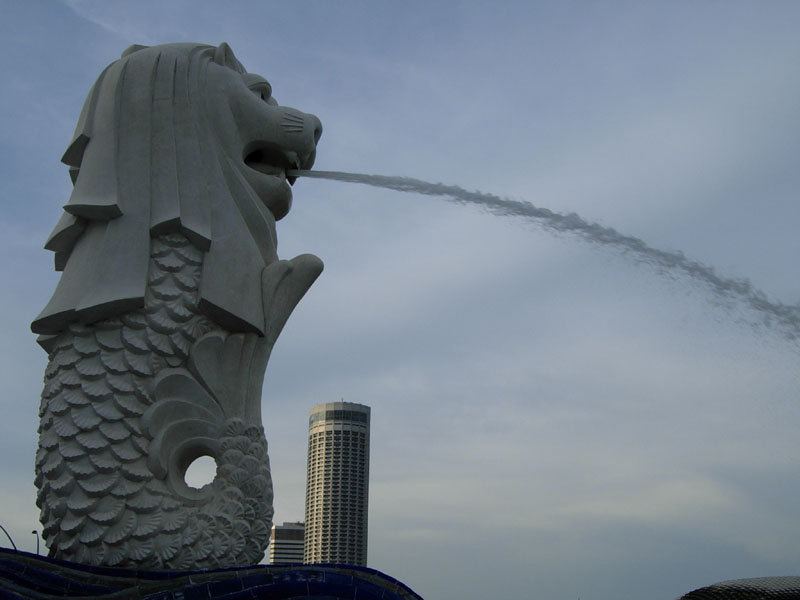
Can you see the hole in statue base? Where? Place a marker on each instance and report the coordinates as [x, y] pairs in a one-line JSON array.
[[201, 472]]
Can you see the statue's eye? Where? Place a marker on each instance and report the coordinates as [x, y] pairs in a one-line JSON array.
[[259, 86], [262, 89]]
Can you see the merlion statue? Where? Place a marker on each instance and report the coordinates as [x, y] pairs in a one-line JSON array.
[[171, 298]]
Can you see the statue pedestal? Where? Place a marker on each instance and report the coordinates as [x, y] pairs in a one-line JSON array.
[[26, 576]]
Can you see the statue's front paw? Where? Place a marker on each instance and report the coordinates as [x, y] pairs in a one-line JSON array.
[[283, 284]]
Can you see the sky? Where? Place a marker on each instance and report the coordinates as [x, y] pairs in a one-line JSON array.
[[550, 418]]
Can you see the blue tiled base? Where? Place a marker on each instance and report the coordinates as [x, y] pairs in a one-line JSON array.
[[28, 576]]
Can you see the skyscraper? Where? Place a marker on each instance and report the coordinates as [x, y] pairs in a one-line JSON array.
[[286, 544], [337, 484]]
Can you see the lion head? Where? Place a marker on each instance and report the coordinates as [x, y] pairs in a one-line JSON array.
[[176, 137]]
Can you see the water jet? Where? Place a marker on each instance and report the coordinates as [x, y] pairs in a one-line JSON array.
[[784, 318]]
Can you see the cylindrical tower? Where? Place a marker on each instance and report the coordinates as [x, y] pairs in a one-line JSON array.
[[337, 484]]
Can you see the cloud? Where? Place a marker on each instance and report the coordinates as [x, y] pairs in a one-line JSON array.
[[126, 22]]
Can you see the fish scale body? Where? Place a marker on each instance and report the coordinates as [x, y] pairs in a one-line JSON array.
[[101, 501]]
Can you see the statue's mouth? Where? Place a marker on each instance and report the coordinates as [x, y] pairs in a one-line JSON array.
[[272, 160]]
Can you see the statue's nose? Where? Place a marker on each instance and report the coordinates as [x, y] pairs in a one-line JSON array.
[[316, 125], [301, 132], [300, 127], [314, 128]]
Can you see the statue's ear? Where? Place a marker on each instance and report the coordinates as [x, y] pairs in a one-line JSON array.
[[223, 55], [132, 49]]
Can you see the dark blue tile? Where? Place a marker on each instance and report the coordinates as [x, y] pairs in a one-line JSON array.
[[370, 591], [165, 595], [279, 591], [338, 578], [9, 595], [260, 579], [338, 590], [218, 589], [197, 592]]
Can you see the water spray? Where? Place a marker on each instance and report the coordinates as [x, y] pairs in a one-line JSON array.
[[784, 317]]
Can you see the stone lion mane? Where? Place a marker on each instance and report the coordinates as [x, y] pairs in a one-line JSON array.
[[145, 160]]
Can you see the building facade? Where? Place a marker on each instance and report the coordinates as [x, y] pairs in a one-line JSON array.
[[337, 484], [286, 544]]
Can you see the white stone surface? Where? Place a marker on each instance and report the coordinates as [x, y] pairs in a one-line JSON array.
[[171, 299]]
